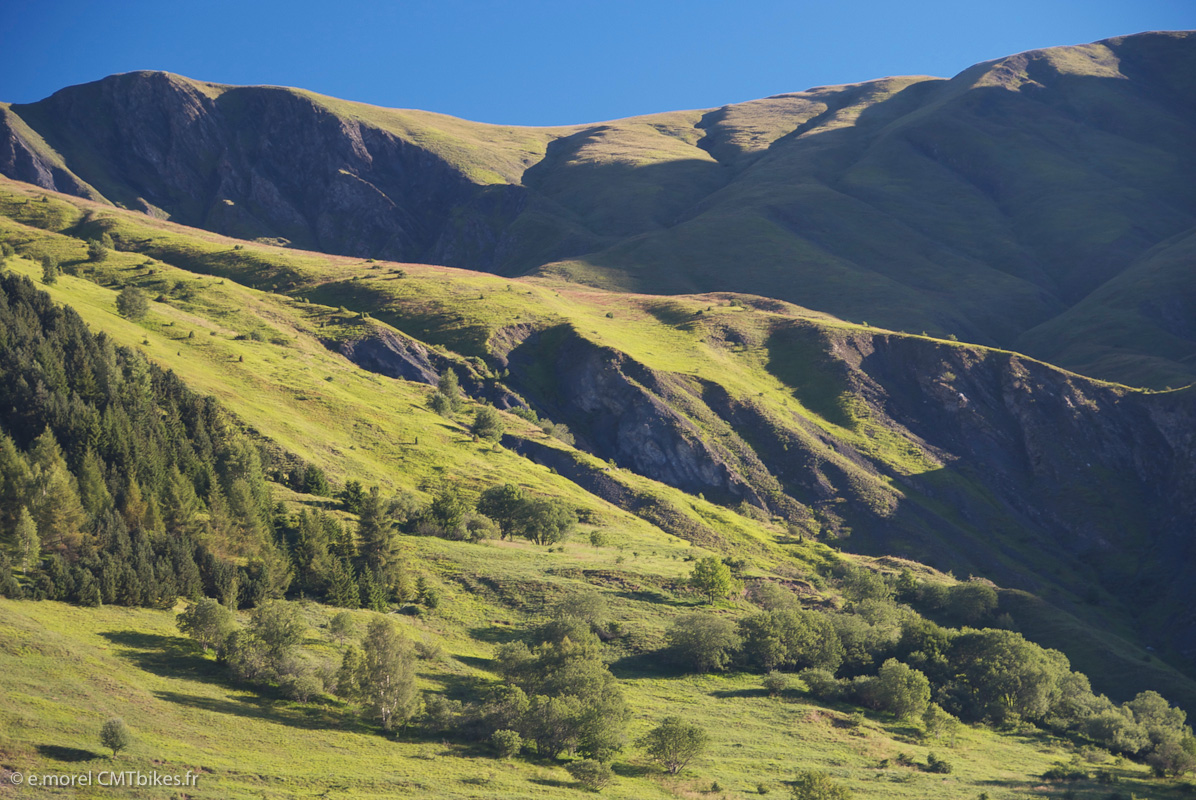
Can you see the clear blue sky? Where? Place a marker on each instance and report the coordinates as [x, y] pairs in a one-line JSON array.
[[541, 63]]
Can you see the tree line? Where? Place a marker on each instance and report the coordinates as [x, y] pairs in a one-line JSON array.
[[881, 654], [120, 485], [112, 472]]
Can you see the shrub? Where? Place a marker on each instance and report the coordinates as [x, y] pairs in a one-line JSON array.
[[591, 774], [506, 743], [972, 602], [776, 683], [822, 683], [303, 686], [814, 785], [936, 764]]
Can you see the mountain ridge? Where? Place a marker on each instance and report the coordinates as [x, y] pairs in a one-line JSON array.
[[993, 205]]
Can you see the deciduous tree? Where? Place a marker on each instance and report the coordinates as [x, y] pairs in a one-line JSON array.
[[115, 735], [132, 303], [712, 578], [674, 743]]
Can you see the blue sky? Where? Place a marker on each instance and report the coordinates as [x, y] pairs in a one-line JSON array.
[[542, 63]]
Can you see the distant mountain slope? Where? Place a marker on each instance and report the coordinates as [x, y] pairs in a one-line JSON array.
[[1032, 202]]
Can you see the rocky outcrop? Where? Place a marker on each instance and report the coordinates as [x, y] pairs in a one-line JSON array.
[[622, 411], [392, 354]]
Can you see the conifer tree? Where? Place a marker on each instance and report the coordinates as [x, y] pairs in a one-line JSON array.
[[9, 587], [29, 544], [373, 594], [133, 506], [15, 482], [93, 490], [87, 589], [180, 507], [379, 548], [342, 588], [56, 507]]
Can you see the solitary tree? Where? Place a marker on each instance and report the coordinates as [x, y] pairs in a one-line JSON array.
[[96, 250], [343, 626], [448, 388], [132, 303], [674, 743], [487, 424], [712, 578], [115, 735], [546, 521], [49, 270], [902, 690]]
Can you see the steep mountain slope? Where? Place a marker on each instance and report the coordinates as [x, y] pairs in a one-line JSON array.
[[971, 459], [1018, 204]]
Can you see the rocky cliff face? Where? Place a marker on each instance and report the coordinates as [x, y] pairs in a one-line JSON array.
[[1026, 471]]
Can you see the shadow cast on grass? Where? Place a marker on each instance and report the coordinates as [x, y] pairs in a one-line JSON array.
[[625, 770], [729, 693], [477, 662], [281, 712], [69, 755], [660, 598], [645, 665], [494, 634], [555, 784], [166, 656]]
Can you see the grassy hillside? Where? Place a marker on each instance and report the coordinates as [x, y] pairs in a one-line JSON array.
[[822, 423], [271, 358], [68, 669]]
